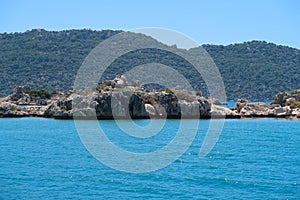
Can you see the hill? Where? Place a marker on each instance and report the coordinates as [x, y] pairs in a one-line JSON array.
[[255, 70]]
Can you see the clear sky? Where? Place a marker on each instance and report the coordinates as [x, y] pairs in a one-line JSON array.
[[207, 22]]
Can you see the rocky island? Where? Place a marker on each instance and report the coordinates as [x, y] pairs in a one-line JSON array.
[[108, 99]]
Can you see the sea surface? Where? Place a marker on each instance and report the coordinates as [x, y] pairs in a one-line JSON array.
[[253, 159]]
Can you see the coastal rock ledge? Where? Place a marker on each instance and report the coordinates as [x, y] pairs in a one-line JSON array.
[[112, 101]]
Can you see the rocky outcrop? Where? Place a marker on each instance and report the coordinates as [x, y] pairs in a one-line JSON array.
[[240, 103], [60, 109], [135, 105], [21, 96], [118, 100], [219, 112], [281, 107], [8, 109], [287, 98]]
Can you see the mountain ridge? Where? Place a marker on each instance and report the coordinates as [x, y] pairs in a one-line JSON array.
[[255, 70]]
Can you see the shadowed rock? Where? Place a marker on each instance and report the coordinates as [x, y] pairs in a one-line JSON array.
[[132, 102]]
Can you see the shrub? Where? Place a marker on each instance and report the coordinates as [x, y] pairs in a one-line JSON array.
[[295, 105], [43, 94], [108, 83], [169, 91], [296, 92]]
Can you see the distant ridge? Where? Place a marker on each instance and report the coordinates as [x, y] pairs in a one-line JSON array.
[[254, 70]]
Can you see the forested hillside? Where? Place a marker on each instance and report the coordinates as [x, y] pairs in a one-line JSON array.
[[45, 59], [255, 70]]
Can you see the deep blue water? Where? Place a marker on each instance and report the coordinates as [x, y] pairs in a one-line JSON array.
[[253, 159]]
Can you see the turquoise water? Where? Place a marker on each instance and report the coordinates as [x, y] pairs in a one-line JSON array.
[[253, 159], [231, 104]]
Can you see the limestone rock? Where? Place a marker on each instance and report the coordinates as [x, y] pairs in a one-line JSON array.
[[287, 98], [150, 110], [256, 110], [214, 101], [240, 104], [189, 109], [296, 113], [222, 112], [8, 109], [204, 107], [282, 111]]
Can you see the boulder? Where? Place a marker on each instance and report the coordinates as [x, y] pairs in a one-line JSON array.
[[61, 109], [137, 107], [290, 101], [169, 103], [222, 112], [295, 113], [287, 98], [8, 109], [282, 111], [204, 107], [19, 92], [150, 110], [240, 104], [189, 109], [256, 110]]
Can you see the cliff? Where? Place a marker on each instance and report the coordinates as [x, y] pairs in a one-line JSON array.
[[112, 100]]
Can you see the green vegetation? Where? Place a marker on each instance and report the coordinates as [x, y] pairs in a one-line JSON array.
[[295, 105], [254, 70], [43, 94], [183, 95], [105, 86], [168, 91], [295, 92], [45, 59], [257, 70]]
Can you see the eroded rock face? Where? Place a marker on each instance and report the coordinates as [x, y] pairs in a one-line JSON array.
[[169, 103], [287, 98], [221, 112], [295, 113], [150, 110], [204, 107], [8, 109], [264, 110], [137, 107], [61, 108], [21, 96], [124, 102], [240, 103], [282, 111], [122, 105], [255, 110], [20, 92]]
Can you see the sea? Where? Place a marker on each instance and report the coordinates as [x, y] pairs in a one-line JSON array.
[[252, 159]]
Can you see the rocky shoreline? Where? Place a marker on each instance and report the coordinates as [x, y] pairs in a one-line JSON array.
[[117, 100]]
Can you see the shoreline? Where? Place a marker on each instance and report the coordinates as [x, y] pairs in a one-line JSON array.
[[132, 102], [288, 117]]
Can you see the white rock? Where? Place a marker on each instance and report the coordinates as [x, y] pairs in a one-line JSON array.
[[150, 109]]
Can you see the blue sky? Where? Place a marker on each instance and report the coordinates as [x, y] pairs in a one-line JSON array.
[[207, 22]]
